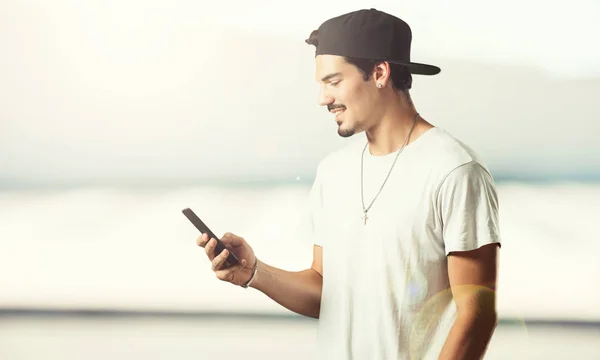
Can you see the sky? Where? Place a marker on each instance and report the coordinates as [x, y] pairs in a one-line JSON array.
[[187, 91]]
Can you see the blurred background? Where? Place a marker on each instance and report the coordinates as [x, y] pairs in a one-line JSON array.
[[116, 115]]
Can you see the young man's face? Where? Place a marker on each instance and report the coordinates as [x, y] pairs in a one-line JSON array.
[[350, 99]]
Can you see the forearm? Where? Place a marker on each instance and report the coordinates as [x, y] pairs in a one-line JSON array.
[[298, 291], [469, 337]]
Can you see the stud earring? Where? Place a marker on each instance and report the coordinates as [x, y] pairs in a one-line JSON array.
[[379, 86]]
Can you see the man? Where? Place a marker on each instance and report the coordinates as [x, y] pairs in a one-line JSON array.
[[405, 223]]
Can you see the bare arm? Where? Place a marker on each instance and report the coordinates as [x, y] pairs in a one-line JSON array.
[[298, 291], [473, 284]]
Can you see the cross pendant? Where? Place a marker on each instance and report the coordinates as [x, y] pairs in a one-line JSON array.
[[365, 217]]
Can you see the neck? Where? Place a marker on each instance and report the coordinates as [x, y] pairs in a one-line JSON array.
[[391, 131]]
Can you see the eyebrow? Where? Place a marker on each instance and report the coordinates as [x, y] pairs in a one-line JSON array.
[[328, 77]]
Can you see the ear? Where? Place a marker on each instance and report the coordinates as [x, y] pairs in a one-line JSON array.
[[381, 73]]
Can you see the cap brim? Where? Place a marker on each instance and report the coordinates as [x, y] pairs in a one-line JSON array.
[[418, 68]]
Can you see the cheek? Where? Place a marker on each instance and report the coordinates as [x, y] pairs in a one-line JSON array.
[[356, 100], [350, 96]]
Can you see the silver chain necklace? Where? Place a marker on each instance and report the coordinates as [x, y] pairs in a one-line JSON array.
[[366, 209]]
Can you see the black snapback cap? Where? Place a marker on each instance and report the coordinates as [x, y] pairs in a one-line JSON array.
[[369, 34]]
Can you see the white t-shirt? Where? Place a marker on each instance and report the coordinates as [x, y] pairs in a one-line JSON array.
[[385, 284]]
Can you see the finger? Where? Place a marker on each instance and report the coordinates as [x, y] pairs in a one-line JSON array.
[[218, 261], [210, 249], [226, 274], [202, 240]]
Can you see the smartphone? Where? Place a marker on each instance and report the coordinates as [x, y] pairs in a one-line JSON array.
[[194, 219]]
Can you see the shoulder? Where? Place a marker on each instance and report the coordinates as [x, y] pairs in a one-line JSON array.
[[448, 156], [338, 160], [462, 173], [330, 170]]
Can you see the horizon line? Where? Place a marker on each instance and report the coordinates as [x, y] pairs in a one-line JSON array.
[[248, 315], [150, 183]]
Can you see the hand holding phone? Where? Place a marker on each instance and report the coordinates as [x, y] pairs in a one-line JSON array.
[[194, 219]]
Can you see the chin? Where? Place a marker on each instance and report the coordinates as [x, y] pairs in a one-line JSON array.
[[345, 132]]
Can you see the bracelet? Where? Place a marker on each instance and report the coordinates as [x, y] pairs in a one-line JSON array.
[[254, 271]]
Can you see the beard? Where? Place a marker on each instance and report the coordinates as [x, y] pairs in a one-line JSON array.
[[345, 132]]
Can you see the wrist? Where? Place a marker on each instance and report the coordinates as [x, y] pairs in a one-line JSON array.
[[253, 274]]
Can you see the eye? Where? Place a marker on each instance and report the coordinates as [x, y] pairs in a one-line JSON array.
[[334, 83]]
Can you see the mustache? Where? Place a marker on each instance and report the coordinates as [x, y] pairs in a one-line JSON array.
[[333, 107]]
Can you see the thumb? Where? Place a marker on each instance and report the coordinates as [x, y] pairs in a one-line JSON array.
[[232, 240]]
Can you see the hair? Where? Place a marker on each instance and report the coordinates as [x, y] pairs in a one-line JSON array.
[[400, 76]]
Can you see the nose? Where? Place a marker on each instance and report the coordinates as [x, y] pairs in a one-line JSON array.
[[324, 98]]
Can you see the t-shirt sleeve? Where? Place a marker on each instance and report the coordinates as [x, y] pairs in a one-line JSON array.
[[468, 208], [315, 202]]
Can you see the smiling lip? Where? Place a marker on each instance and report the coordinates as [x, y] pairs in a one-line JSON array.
[[337, 113]]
